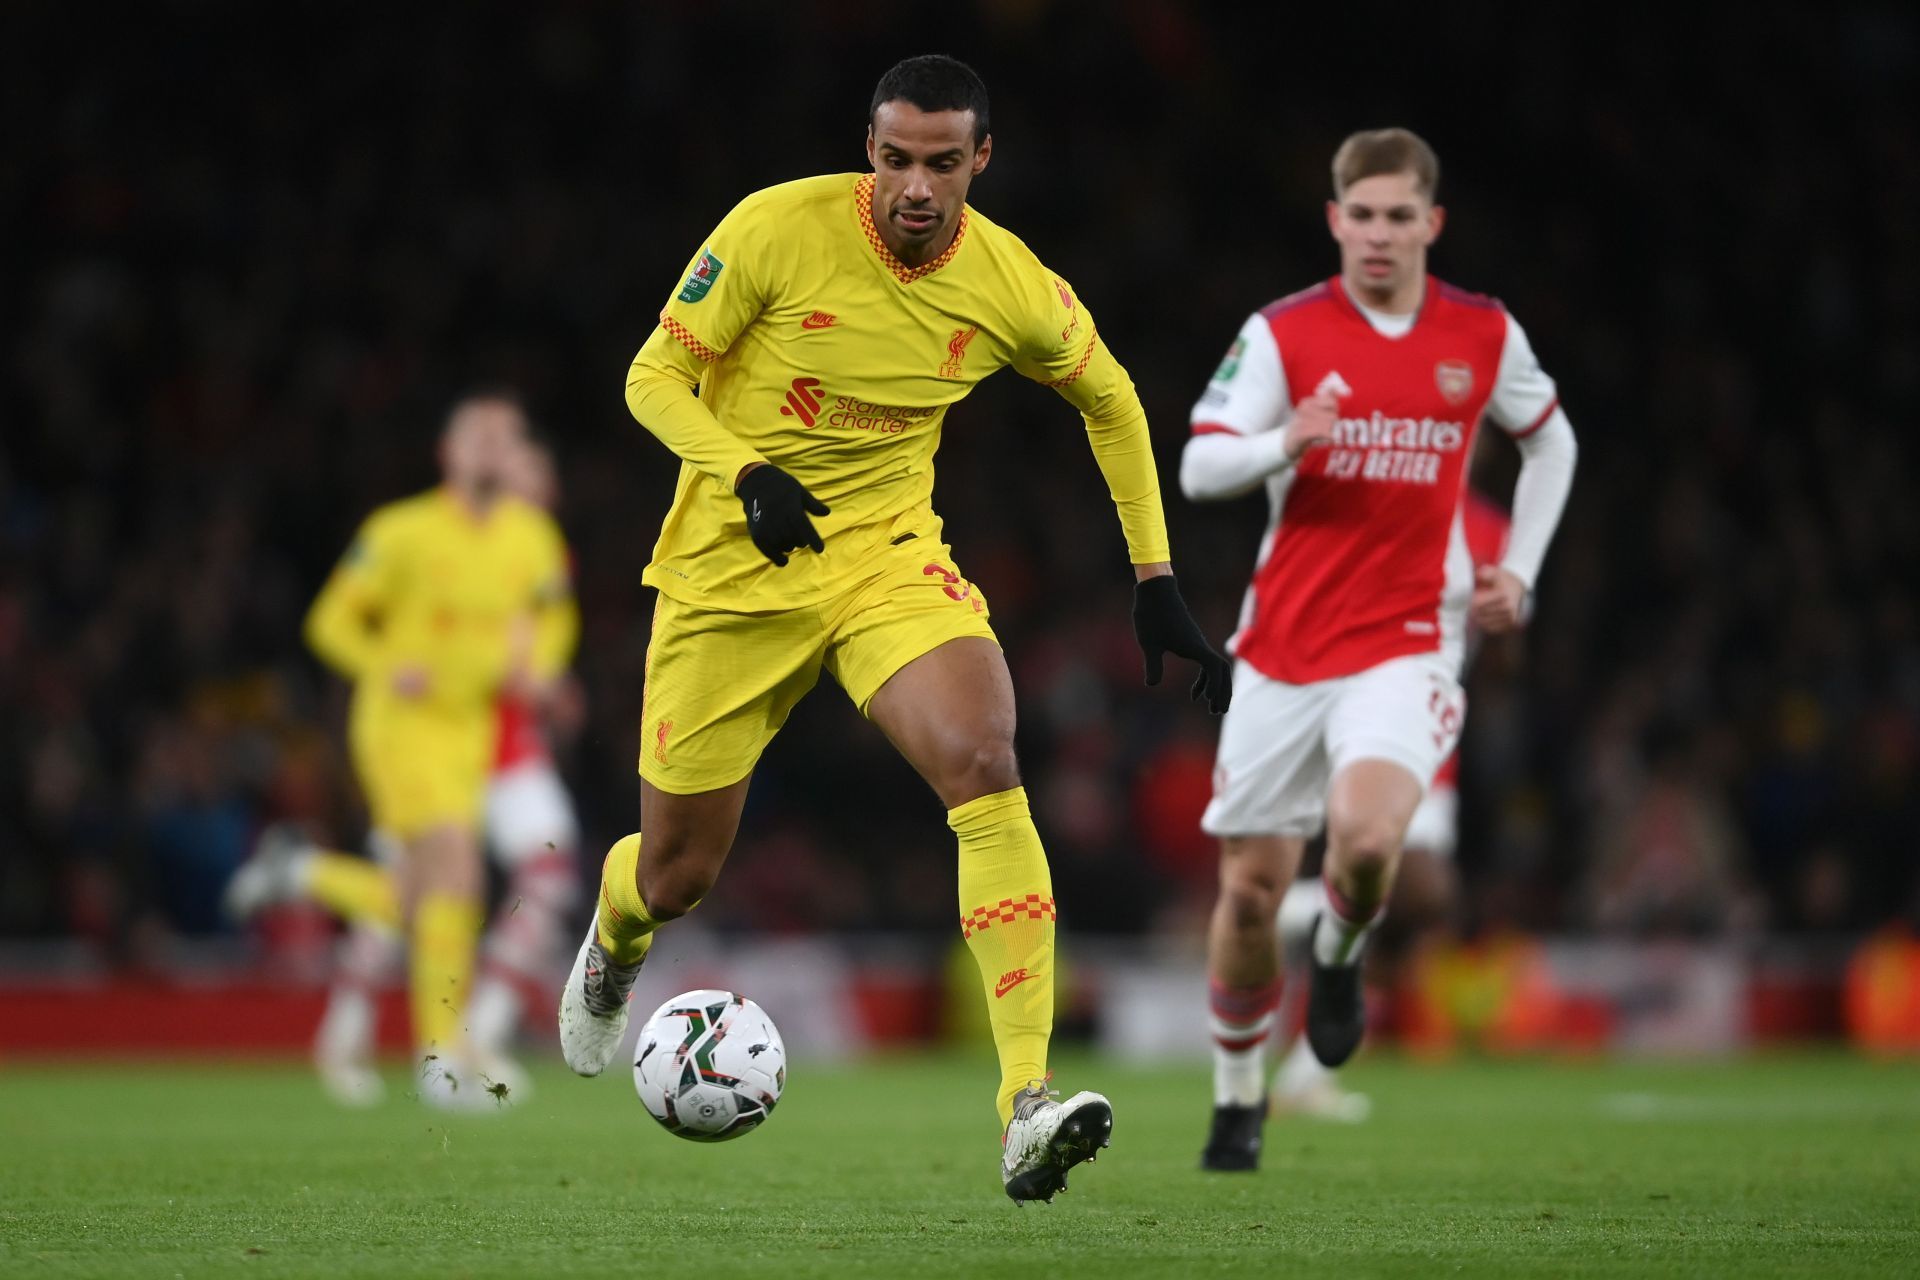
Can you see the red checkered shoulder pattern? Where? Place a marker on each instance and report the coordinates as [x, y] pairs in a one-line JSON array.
[[684, 336], [1007, 910]]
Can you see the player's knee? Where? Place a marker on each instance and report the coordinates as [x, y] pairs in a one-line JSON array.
[[986, 767], [673, 876], [1251, 910], [1365, 847], [670, 892], [1251, 896]]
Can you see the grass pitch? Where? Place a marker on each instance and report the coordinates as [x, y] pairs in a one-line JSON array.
[[1773, 1167]]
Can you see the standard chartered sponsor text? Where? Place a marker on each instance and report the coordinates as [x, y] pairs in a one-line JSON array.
[[887, 419]]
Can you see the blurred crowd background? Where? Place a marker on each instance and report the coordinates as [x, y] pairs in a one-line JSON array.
[[251, 254]]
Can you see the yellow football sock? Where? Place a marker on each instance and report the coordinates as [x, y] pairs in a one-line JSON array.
[[357, 890], [1006, 915], [624, 926], [446, 932]]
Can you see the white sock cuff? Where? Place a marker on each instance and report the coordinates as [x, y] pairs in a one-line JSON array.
[[1228, 1035]]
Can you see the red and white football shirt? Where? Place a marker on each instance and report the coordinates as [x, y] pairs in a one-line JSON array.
[[518, 739], [1365, 557], [529, 814]]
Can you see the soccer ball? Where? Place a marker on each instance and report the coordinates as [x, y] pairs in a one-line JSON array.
[[710, 1065]]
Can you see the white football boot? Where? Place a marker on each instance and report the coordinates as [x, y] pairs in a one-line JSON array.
[[503, 1081], [274, 873], [493, 1015], [343, 1051], [1046, 1138], [593, 1006], [1324, 1100], [447, 1084], [1302, 1087]]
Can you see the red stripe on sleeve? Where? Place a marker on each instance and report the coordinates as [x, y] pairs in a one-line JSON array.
[[684, 336], [1213, 429], [1540, 421]]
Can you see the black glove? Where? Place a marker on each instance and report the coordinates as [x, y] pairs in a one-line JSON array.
[[777, 507], [1162, 625]]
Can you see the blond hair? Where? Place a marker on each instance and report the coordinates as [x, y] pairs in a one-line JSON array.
[[1373, 152]]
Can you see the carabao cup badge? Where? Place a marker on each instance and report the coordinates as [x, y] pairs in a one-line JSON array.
[[705, 272]]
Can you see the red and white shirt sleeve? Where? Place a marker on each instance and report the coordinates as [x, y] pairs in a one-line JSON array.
[[1524, 397], [1526, 405], [1237, 441]]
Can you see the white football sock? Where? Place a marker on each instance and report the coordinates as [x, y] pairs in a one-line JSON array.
[[1339, 941], [1239, 1076], [346, 1030], [1299, 909], [1241, 1020], [493, 1015]]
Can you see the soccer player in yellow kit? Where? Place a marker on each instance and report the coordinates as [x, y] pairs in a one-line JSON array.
[[531, 833], [828, 324], [443, 601]]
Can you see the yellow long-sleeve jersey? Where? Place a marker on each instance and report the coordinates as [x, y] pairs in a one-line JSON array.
[[426, 584], [815, 349]]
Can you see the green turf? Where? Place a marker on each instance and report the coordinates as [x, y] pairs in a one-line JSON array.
[[1802, 1166]]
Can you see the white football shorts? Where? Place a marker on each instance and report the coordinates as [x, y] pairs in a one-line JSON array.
[[1281, 744], [528, 809]]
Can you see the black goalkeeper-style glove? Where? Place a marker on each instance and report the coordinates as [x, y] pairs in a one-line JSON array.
[[1162, 625], [777, 507]]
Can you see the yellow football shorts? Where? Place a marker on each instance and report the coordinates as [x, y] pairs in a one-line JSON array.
[[720, 683], [420, 765]]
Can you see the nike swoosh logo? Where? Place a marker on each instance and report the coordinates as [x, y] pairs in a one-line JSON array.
[[819, 320], [754, 514], [1010, 981]]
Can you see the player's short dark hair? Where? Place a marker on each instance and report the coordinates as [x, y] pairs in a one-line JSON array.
[[1373, 152], [934, 82]]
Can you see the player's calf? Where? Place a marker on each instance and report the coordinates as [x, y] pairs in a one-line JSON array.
[[1243, 992]]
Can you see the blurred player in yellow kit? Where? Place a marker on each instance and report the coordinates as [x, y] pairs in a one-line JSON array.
[[531, 835], [826, 326], [444, 602]]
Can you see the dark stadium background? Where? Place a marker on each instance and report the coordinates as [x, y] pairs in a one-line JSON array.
[[251, 252]]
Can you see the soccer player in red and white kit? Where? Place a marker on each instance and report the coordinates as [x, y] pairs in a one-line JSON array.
[[1355, 404]]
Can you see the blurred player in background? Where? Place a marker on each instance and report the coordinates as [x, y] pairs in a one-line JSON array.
[[827, 325], [1420, 906], [531, 833], [1354, 403], [444, 603]]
